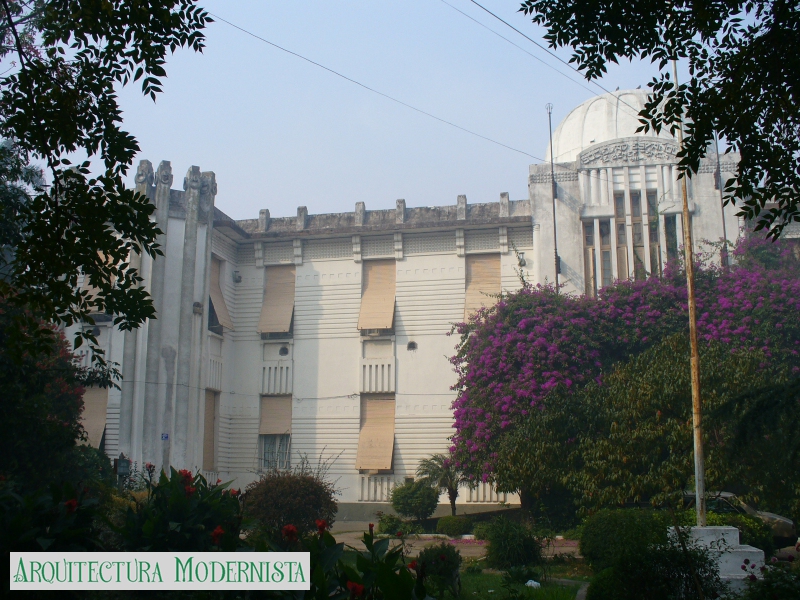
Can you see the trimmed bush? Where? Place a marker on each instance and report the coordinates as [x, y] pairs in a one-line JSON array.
[[298, 498], [415, 500], [609, 533], [511, 545], [481, 530], [391, 524], [454, 526], [438, 566]]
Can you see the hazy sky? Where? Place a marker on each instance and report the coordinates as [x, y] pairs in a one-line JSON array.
[[280, 132]]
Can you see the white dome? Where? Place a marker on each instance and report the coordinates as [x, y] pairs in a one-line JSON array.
[[600, 119]]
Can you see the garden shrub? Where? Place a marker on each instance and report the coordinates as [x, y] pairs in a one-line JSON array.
[[512, 544], [752, 531], [454, 526], [299, 497], [389, 523], [438, 566], [481, 530], [609, 533], [183, 513], [777, 582], [659, 572], [415, 499]]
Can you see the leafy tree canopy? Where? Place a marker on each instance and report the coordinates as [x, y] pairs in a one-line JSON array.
[[66, 59], [744, 81]]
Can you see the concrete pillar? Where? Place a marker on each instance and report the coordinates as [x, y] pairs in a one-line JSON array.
[[505, 208], [605, 182], [400, 212], [153, 359], [144, 185], [594, 179], [360, 213], [192, 184], [461, 208]]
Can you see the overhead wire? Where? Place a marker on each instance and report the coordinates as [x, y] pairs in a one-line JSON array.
[[374, 91]]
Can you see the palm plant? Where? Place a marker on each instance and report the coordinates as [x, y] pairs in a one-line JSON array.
[[440, 471]]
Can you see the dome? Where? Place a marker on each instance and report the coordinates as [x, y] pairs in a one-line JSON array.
[[600, 119]]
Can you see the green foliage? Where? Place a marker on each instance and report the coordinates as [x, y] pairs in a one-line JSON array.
[[441, 472], [659, 572], [73, 57], [415, 499], [389, 523], [752, 530], [512, 544], [183, 513], [610, 533], [741, 62], [298, 497], [481, 530], [437, 568], [777, 582], [454, 526]]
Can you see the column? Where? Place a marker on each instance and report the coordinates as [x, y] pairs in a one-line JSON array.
[[605, 182], [598, 256]]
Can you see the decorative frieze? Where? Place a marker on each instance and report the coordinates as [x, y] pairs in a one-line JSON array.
[[635, 150], [560, 177]]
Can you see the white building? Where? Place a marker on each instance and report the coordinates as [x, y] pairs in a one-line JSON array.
[[326, 335]]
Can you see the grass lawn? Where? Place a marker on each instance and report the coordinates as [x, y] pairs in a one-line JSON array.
[[489, 586]]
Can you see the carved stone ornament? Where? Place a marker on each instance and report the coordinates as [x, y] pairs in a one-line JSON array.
[[631, 150], [164, 174], [193, 179], [208, 190], [144, 173]]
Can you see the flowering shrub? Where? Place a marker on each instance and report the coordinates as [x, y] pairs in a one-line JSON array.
[[437, 566], [513, 355], [777, 582], [183, 513]]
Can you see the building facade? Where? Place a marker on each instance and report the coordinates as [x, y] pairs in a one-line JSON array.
[[326, 335]]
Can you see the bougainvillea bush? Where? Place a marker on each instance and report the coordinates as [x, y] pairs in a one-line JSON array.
[[513, 355]]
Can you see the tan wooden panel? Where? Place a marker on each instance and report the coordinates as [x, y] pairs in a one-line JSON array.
[[278, 305], [482, 278], [215, 291], [377, 296], [93, 418], [210, 431], [276, 415], [376, 439]]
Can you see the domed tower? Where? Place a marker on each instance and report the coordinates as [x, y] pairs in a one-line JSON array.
[[618, 199]]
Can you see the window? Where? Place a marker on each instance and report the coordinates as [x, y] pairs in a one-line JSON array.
[[589, 275], [621, 237], [378, 283], [605, 249], [671, 233], [619, 205], [216, 301], [277, 307], [482, 279], [214, 325], [93, 417], [376, 438], [276, 451], [210, 431]]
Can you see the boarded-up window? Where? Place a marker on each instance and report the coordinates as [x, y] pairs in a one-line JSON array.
[[278, 305], [217, 299], [210, 431], [376, 439], [377, 295], [482, 278], [276, 415], [93, 418]]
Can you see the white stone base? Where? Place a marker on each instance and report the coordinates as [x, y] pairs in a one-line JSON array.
[[724, 542]]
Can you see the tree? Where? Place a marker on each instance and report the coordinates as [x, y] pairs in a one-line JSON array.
[[59, 101], [440, 472], [415, 499], [744, 82]]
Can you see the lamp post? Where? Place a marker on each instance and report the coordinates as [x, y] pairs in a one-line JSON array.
[[553, 191], [697, 415]]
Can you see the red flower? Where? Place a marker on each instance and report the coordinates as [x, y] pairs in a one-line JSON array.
[[371, 528], [71, 506], [289, 533], [744, 567], [790, 558], [189, 490], [217, 534], [235, 493], [322, 525], [412, 565], [399, 534], [219, 481], [356, 589], [753, 577], [442, 557], [186, 475]]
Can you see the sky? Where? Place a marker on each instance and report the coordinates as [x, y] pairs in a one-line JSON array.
[[279, 132]]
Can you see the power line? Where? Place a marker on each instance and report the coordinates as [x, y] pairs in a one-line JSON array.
[[374, 91]]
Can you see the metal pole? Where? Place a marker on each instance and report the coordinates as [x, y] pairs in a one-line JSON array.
[[723, 255], [553, 190], [697, 416]]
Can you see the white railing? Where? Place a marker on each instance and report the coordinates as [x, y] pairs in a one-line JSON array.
[[277, 377], [485, 492], [376, 488]]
